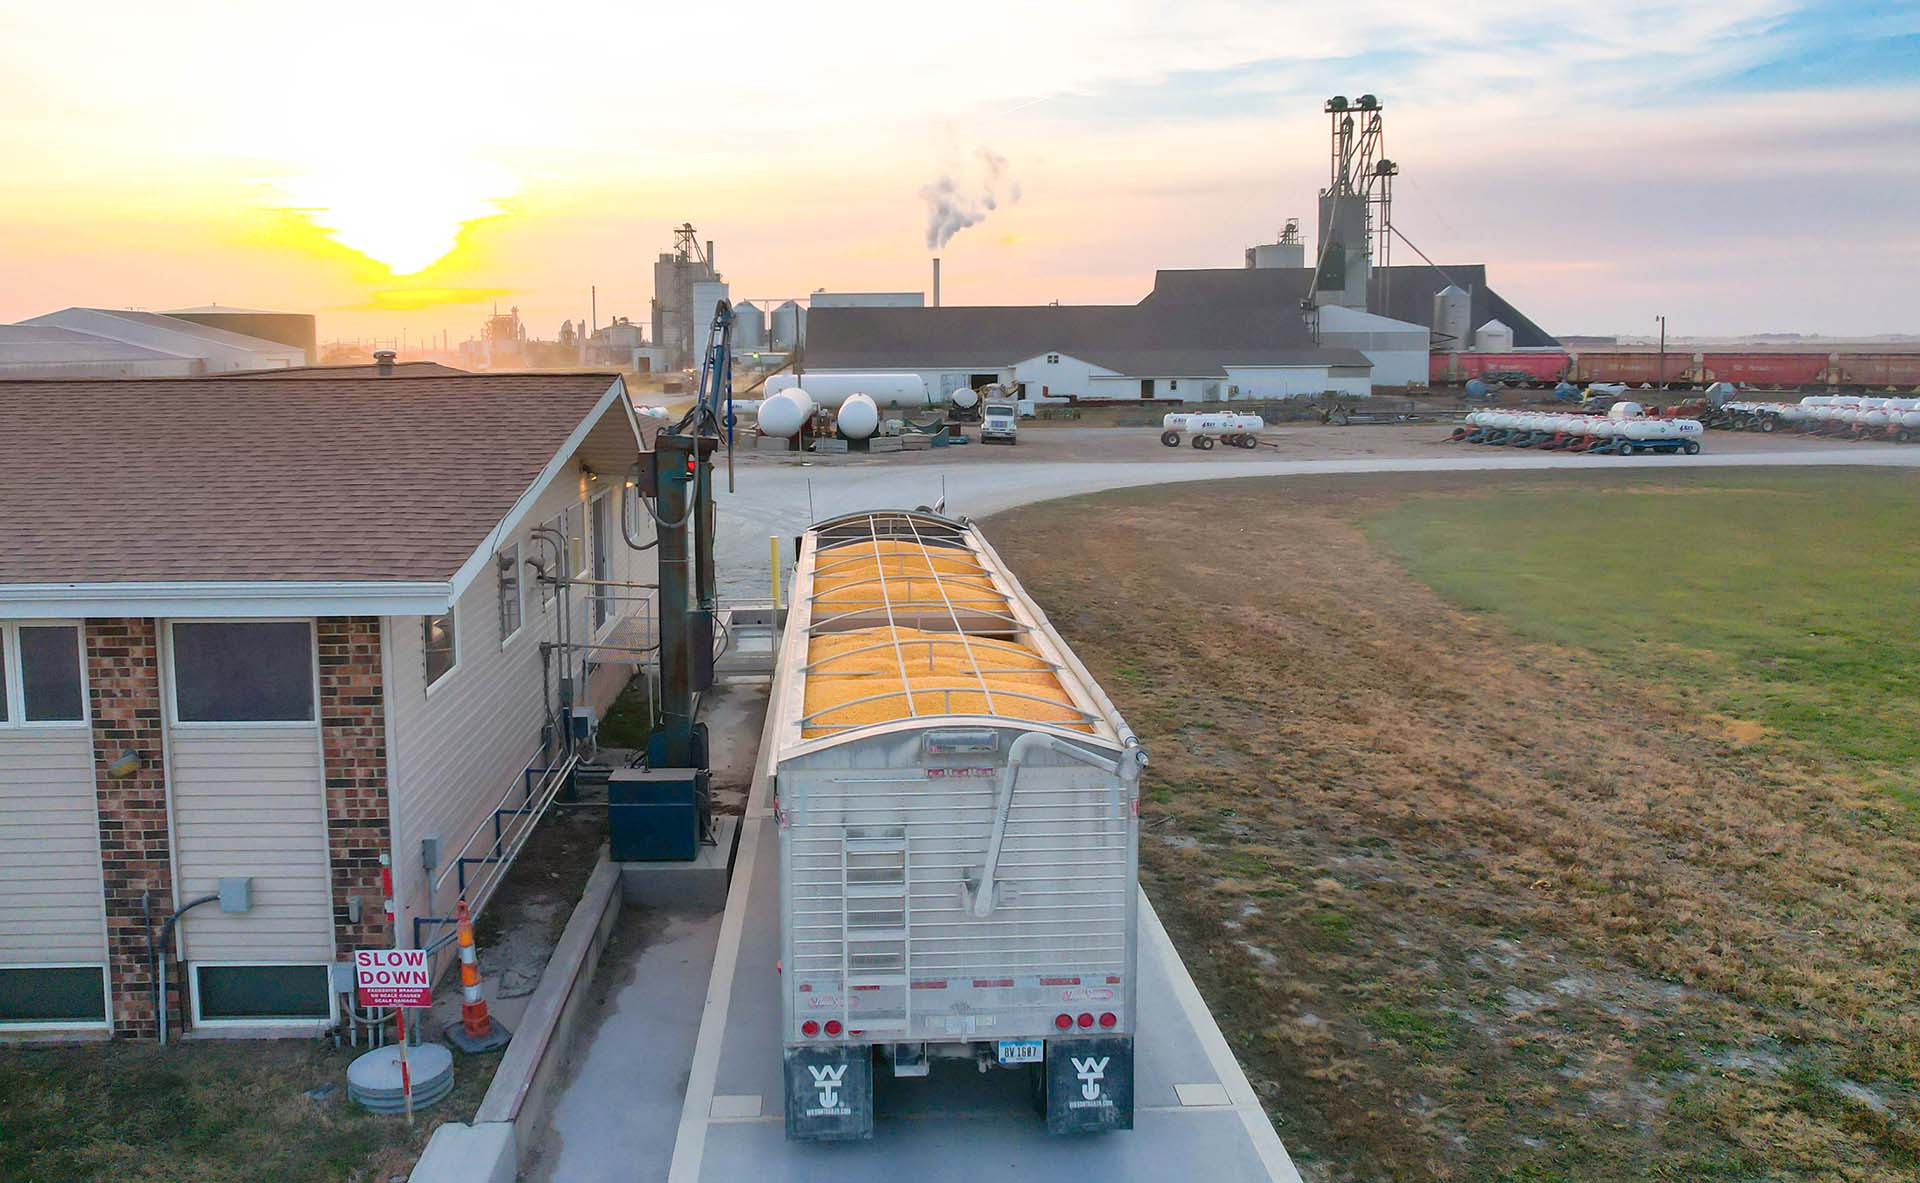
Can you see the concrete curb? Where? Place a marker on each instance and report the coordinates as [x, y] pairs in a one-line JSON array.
[[518, 1100]]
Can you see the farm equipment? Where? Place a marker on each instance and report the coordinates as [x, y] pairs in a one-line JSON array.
[[1623, 431], [1204, 429], [1833, 416]]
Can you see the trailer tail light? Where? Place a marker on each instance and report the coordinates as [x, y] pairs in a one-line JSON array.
[[1108, 1019], [1064, 1022], [833, 1027], [809, 1028], [1086, 1020]]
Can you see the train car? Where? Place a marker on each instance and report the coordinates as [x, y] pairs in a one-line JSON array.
[[1542, 367], [1632, 368], [1765, 371], [1893, 372]]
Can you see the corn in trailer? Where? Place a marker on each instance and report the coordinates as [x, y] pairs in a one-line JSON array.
[[959, 833]]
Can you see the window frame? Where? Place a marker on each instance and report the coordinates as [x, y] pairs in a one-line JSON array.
[[13, 667], [453, 618], [331, 1019], [519, 596], [9, 1026], [169, 656]]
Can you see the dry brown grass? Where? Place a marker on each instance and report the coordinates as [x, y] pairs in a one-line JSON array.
[[1473, 908]]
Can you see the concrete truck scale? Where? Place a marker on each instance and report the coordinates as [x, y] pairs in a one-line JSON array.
[[957, 804]]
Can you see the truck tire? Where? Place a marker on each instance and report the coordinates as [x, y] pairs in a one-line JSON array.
[[1170, 438], [1626, 449], [1691, 447]]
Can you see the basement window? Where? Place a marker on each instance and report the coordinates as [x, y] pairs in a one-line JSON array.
[[53, 995], [252, 671], [439, 645], [40, 674], [261, 993]]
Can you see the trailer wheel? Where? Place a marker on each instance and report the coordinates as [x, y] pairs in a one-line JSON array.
[[1691, 447], [1767, 425], [1170, 438], [1902, 436], [1249, 442], [1626, 449], [1203, 442]]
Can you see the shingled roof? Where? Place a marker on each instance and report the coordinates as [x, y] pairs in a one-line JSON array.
[[252, 480]]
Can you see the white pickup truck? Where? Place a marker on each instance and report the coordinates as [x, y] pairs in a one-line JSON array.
[[1000, 423]]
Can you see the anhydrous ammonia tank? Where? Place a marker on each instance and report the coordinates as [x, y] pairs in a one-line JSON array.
[[1625, 410], [858, 417], [828, 389], [783, 414], [964, 398]]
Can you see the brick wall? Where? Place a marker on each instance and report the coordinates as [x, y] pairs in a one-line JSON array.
[[353, 740], [123, 684]]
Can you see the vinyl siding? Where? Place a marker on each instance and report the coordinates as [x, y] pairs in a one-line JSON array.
[[51, 906], [250, 801], [457, 749]]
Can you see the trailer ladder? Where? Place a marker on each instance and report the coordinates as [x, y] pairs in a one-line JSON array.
[[876, 916]]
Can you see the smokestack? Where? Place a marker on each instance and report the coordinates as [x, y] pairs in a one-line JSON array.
[[383, 362], [936, 281], [711, 265]]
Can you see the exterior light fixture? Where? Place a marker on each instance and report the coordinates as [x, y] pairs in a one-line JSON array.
[[124, 765], [586, 470]]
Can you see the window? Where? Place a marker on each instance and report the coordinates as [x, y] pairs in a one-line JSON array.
[[1053, 359], [254, 671], [257, 992], [63, 995], [602, 560], [1173, 384], [438, 645], [511, 602], [40, 678]]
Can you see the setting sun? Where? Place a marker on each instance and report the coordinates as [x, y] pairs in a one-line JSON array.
[[407, 221]]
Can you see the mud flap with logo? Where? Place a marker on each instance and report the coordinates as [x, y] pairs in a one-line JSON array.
[[829, 1093], [1089, 1085]]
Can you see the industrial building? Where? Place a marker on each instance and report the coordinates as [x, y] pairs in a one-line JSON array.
[[324, 632], [686, 284], [123, 343], [1345, 321]]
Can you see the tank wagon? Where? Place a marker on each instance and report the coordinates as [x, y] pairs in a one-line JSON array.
[[957, 803]]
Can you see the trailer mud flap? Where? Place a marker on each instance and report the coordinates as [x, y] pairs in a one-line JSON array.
[[829, 1093], [1089, 1085]]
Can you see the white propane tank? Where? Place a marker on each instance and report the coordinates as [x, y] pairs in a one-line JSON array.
[[964, 398], [783, 415], [858, 417], [1171, 421], [1625, 410], [825, 388], [1224, 421]]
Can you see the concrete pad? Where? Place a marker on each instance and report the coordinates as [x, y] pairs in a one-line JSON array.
[[729, 1106], [461, 1153], [1194, 1096], [697, 886]]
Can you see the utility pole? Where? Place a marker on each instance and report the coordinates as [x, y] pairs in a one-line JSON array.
[[1660, 373]]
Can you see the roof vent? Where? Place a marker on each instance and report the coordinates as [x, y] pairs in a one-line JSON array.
[[383, 358]]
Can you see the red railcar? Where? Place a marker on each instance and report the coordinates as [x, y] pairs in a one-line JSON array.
[[1776, 371], [1541, 367], [1632, 368], [1877, 371]]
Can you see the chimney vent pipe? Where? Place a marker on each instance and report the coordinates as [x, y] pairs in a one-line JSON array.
[[383, 362], [936, 281]]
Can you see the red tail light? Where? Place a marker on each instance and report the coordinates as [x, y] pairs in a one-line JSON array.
[[1108, 1019], [809, 1028], [1063, 1021], [833, 1026], [1086, 1020]]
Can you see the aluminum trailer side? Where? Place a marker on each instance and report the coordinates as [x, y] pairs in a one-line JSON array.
[[959, 833]]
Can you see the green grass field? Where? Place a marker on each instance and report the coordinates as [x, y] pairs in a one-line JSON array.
[[1787, 599]]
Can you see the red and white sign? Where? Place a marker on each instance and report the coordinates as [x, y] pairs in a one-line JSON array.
[[392, 977]]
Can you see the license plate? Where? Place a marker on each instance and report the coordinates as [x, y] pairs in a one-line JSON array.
[[1022, 1051]]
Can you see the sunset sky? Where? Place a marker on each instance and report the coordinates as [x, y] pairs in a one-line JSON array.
[[1741, 166]]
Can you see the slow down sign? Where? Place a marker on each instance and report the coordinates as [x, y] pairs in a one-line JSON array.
[[392, 977]]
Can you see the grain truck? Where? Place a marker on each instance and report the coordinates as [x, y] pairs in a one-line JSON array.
[[957, 803]]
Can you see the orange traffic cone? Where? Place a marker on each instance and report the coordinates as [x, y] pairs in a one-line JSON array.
[[477, 1031]]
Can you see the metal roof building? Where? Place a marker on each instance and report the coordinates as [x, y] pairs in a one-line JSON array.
[[95, 339]]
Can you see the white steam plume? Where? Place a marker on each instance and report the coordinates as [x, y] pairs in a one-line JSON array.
[[952, 208]]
